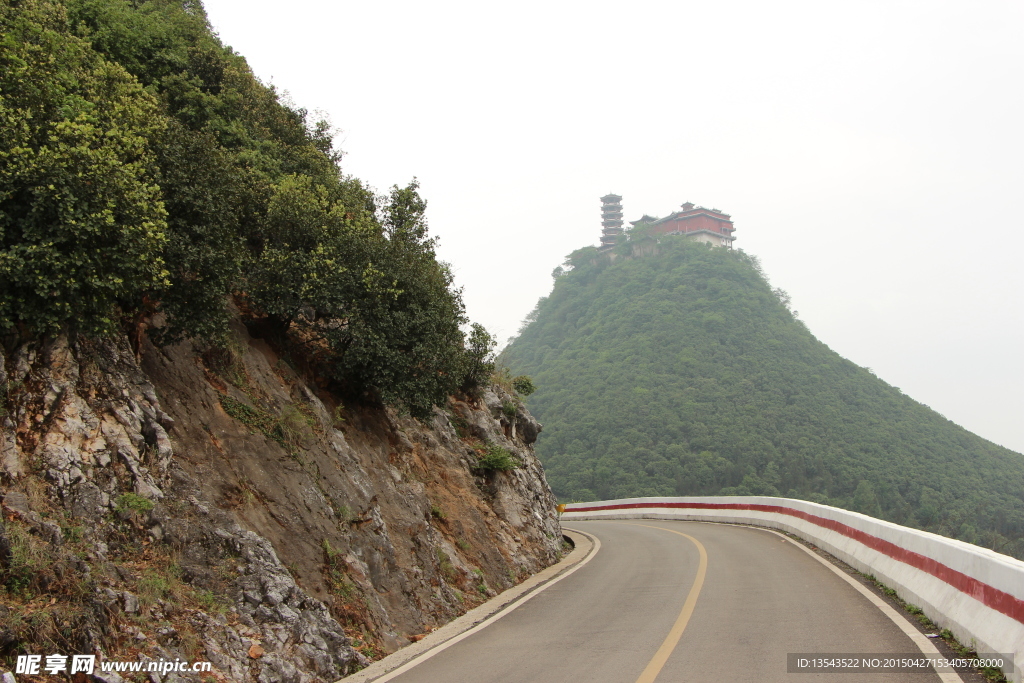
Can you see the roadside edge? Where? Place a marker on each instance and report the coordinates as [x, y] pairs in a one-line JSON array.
[[586, 547]]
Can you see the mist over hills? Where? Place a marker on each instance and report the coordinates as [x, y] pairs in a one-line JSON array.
[[672, 368]]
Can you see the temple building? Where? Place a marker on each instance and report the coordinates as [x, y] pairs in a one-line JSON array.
[[697, 223]]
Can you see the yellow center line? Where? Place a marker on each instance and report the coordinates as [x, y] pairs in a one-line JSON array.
[[669, 644]]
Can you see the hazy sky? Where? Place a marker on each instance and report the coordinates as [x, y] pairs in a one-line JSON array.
[[870, 153]]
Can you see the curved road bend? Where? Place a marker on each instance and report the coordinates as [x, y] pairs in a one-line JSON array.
[[761, 598]]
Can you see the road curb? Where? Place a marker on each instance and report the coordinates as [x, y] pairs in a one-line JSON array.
[[586, 546]]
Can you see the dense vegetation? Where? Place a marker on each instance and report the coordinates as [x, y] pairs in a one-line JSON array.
[[683, 373], [146, 176]]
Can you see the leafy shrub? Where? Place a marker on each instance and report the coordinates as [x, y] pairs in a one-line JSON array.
[[497, 459], [256, 419], [154, 585], [295, 425], [523, 385], [444, 564], [27, 563], [132, 502]]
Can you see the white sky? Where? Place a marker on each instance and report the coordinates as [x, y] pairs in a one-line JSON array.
[[870, 153]]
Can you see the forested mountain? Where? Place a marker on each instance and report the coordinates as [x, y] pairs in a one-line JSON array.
[[672, 368]]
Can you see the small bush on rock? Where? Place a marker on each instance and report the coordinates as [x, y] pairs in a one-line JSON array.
[[497, 459], [523, 385]]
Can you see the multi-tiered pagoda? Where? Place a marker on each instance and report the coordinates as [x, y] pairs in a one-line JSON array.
[[611, 220]]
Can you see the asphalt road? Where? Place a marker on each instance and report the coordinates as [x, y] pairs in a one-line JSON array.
[[735, 616]]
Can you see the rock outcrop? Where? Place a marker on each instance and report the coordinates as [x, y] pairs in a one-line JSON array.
[[215, 506]]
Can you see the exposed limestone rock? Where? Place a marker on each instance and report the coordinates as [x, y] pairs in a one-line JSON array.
[[221, 508]]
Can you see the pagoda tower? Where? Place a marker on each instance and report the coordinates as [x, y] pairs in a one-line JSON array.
[[611, 220]]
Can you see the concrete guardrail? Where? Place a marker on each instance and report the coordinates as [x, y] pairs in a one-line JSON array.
[[976, 593]]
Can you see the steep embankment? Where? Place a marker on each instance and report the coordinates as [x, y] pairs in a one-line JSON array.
[[218, 507], [209, 503], [683, 373]]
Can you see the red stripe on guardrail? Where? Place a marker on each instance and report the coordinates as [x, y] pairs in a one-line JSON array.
[[992, 597]]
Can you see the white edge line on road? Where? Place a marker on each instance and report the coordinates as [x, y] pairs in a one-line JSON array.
[[926, 646], [476, 619]]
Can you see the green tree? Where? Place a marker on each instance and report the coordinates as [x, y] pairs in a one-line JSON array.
[[479, 356], [864, 499], [410, 344], [82, 224], [373, 303]]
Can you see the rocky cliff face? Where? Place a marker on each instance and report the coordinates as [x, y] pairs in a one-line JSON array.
[[215, 506]]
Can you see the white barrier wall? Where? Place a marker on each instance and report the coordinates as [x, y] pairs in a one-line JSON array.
[[976, 593]]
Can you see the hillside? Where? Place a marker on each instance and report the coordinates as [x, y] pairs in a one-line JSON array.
[[672, 368], [240, 421], [198, 506], [147, 178]]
